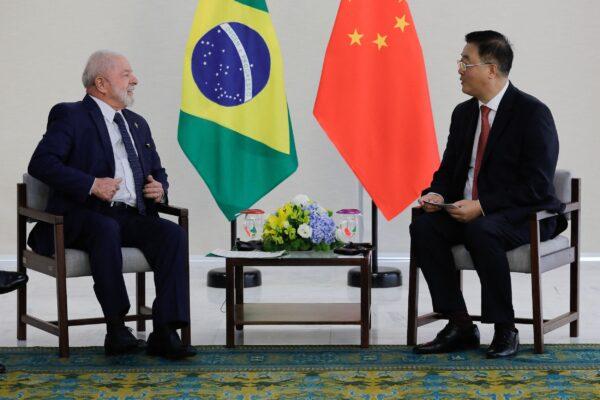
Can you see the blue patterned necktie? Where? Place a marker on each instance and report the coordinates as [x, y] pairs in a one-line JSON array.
[[134, 163]]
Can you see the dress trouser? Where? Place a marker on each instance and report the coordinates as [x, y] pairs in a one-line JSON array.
[[487, 239], [163, 243]]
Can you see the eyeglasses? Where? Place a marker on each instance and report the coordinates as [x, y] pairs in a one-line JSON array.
[[462, 67]]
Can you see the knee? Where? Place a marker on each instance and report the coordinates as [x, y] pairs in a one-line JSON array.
[[479, 233], [173, 233], [420, 228]]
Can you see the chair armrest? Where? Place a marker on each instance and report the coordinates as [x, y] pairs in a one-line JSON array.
[[569, 208], [172, 210], [40, 216]]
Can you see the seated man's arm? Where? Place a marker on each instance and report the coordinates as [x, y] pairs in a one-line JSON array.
[[442, 178], [158, 173], [536, 171], [48, 161]]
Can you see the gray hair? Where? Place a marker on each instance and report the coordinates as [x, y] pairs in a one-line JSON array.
[[99, 63]]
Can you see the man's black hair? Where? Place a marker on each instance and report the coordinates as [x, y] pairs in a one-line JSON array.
[[493, 47]]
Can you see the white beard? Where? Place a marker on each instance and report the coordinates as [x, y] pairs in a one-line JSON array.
[[126, 98]]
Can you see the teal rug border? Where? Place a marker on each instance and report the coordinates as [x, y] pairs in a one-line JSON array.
[[302, 358]]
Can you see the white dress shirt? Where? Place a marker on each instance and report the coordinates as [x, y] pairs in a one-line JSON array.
[[126, 192], [493, 106]]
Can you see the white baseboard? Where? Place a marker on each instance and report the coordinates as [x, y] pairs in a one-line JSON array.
[[9, 261]]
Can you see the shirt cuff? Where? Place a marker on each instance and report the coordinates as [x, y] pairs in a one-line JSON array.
[[92, 187]]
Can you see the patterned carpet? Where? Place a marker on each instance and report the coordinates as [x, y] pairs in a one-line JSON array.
[[303, 372]]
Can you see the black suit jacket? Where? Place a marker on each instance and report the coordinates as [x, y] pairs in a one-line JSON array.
[[517, 172]]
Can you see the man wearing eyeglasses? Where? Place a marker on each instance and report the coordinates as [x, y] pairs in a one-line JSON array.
[[497, 168]]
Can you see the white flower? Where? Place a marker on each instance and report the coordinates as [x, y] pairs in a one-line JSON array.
[[286, 224], [339, 235], [304, 231], [301, 200]]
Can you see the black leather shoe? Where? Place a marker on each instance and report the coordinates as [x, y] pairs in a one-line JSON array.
[[120, 340], [10, 281], [450, 339], [2, 369], [165, 342], [504, 344]]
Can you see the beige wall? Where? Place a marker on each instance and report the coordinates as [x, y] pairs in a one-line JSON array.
[[44, 44]]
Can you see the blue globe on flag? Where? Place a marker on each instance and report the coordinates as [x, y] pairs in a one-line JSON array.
[[231, 64]]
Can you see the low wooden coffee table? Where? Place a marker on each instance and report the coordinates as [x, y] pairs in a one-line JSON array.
[[239, 313]]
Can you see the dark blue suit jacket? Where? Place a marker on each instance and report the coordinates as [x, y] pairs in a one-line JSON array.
[[76, 148], [517, 172]]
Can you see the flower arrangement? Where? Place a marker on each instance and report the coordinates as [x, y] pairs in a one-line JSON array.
[[300, 224]]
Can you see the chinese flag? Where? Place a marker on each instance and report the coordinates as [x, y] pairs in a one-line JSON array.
[[373, 101]]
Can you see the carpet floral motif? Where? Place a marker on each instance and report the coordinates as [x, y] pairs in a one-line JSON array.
[[303, 372]]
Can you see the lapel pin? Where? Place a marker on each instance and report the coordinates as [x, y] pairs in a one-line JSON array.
[[135, 124]]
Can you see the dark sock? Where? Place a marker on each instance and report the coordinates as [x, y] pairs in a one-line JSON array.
[[114, 323], [462, 319], [505, 326], [162, 329]]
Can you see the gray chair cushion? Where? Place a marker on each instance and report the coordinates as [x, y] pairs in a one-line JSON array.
[[78, 262], [518, 259], [37, 193]]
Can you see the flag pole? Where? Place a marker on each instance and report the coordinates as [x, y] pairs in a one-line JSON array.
[[381, 277], [217, 277], [361, 223]]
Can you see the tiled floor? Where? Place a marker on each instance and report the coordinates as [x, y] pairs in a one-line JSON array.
[[302, 285]]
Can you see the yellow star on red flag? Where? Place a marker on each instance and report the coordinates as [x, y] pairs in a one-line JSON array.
[[355, 37], [401, 23], [380, 41]]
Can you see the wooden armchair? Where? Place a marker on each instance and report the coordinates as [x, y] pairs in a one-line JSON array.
[[32, 196], [534, 259]]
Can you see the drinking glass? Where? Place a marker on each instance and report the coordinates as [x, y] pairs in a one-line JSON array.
[[347, 222], [252, 223]]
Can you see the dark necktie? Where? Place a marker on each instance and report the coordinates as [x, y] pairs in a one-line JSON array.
[[134, 164], [483, 138]]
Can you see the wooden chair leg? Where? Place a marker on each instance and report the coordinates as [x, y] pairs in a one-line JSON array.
[[61, 291], [63, 327], [21, 239], [575, 231], [413, 303], [140, 295], [536, 286], [21, 311], [186, 333], [538, 335], [574, 304]]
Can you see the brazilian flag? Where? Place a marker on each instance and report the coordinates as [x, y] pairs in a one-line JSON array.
[[234, 124]]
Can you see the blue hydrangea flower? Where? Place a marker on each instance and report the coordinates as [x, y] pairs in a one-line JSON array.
[[322, 225]]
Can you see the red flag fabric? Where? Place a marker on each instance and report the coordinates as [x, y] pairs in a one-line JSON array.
[[373, 101]]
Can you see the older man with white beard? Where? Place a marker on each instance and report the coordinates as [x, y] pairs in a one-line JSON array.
[[100, 161]]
